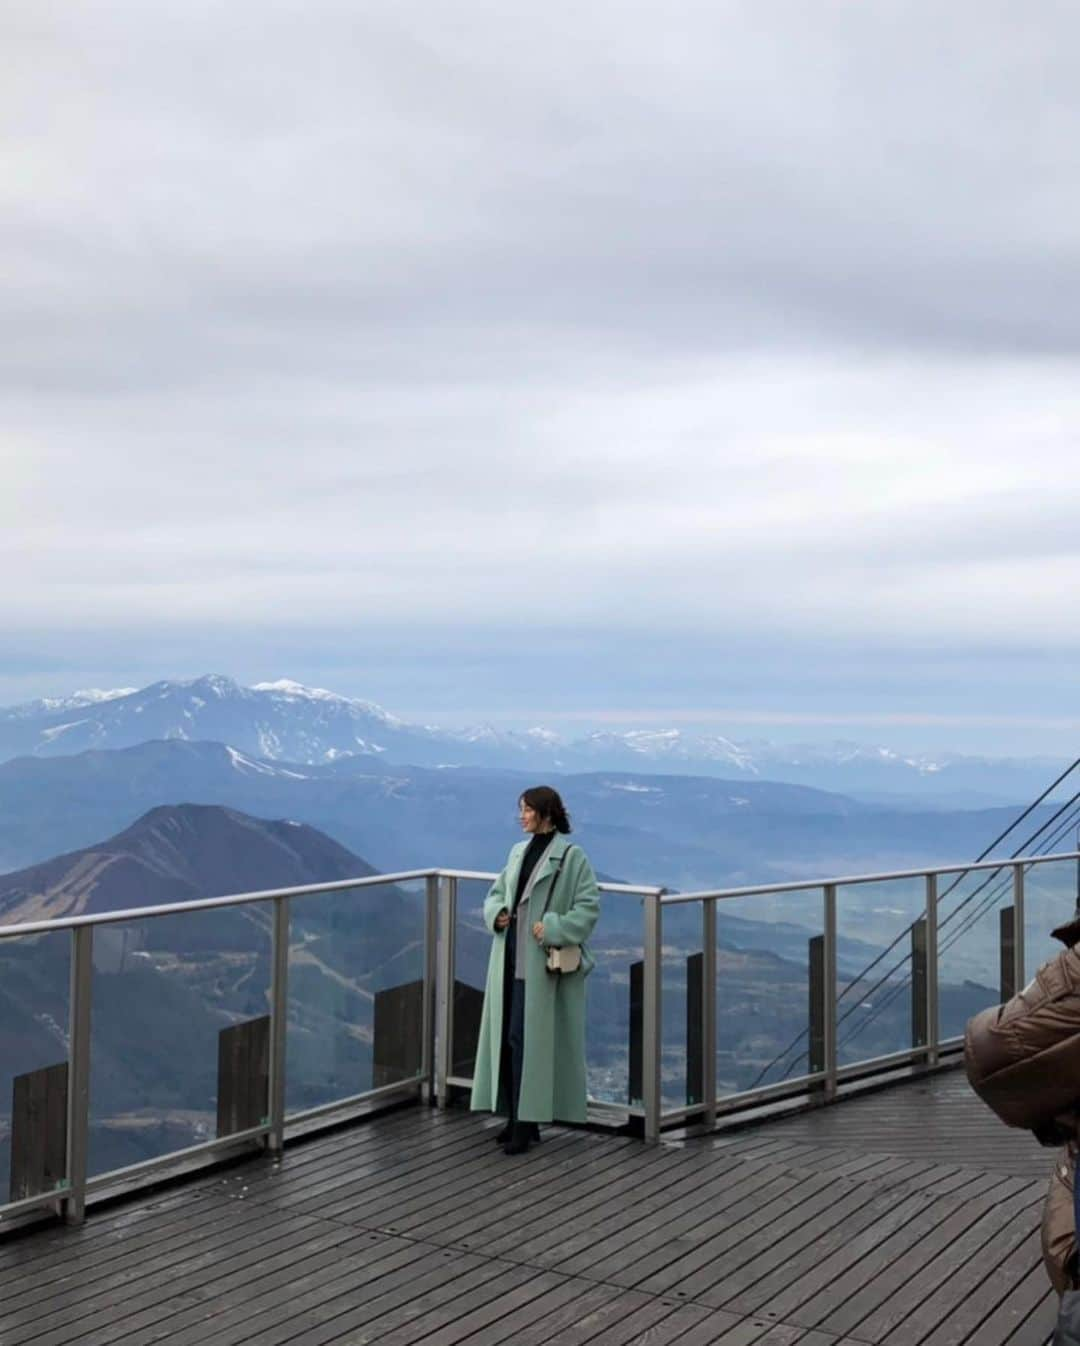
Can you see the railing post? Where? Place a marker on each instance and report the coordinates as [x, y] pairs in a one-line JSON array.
[[279, 1018], [829, 980], [1007, 986], [933, 1027], [652, 1016], [708, 1011], [1019, 975], [431, 942], [78, 1099], [444, 1031]]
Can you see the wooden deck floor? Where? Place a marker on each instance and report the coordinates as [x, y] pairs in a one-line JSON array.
[[856, 1224]]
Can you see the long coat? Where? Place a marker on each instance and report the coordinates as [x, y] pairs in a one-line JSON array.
[[553, 1065]]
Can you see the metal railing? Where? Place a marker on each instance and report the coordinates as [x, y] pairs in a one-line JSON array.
[[435, 1079]]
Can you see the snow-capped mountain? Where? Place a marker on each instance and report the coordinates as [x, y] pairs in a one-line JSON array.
[[278, 720], [288, 722]]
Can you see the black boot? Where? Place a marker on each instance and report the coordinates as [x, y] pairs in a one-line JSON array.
[[503, 1134], [521, 1137]]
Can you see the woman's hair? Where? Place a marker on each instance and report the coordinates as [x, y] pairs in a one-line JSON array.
[[549, 805]]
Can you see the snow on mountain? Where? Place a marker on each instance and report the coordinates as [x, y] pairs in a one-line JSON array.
[[90, 696], [286, 721]]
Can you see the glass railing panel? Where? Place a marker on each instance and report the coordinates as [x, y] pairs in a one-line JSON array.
[[970, 907], [163, 992], [34, 976], [616, 980], [355, 992], [763, 988], [472, 950], [680, 1062], [878, 979], [1050, 898]]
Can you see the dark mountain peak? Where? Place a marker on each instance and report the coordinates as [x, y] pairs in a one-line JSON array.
[[178, 852]]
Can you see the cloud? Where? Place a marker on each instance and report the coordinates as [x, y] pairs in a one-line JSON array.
[[757, 325]]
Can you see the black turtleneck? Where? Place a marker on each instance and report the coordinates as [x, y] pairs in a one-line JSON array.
[[538, 844]]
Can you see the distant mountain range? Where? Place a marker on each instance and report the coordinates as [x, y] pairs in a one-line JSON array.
[[680, 831], [284, 721]]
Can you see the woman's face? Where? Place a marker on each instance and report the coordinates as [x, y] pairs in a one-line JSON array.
[[530, 820]]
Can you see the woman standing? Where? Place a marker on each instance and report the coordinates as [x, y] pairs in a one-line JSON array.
[[530, 1059]]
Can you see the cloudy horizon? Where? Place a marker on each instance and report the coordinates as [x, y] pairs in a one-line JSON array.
[[560, 365]]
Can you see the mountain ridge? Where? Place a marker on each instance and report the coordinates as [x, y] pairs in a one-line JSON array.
[[175, 853], [284, 720]]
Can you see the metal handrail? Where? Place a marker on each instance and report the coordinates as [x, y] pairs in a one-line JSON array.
[[803, 885], [436, 1077], [269, 895]]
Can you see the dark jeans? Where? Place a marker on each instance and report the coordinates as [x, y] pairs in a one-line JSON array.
[[512, 1055]]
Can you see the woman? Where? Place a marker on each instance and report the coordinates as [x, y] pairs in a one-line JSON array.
[[530, 1059]]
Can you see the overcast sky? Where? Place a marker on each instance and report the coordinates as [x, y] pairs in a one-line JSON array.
[[706, 363]]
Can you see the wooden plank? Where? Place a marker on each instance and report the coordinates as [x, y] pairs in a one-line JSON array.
[[453, 1193], [728, 1281], [403, 1205], [139, 1284], [625, 1199], [654, 1223], [966, 1276], [553, 1323], [877, 1250], [426, 1309], [318, 1303], [657, 1258], [104, 1265], [811, 1255], [875, 1308], [1030, 1310], [503, 1314], [706, 1327], [522, 1200], [426, 1153]]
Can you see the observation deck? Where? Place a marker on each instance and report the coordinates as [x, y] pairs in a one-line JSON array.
[[908, 1217], [856, 1196]]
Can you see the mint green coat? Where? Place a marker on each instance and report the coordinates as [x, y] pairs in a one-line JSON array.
[[553, 1068]]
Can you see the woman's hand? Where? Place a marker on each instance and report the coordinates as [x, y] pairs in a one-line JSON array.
[[538, 931], [502, 920]]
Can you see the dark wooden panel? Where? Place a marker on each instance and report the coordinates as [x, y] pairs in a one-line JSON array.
[[243, 1090], [468, 1007], [635, 1030], [1007, 946], [695, 984], [398, 1048], [816, 1006], [38, 1131], [919, 1034]]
